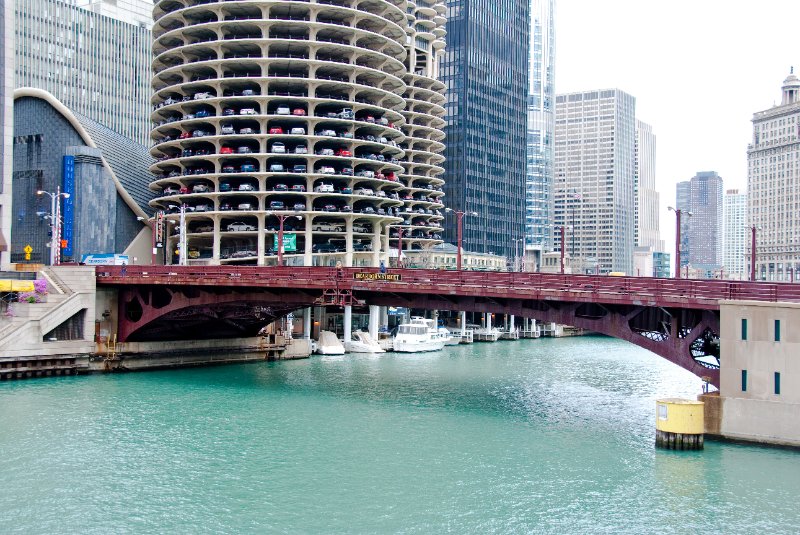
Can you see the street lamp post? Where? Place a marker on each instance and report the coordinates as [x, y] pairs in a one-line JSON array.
[[400, 231], [517, 258], [281, 219], [55, 223], [153, 224], [459, 220], [562, 249], [678, 213]]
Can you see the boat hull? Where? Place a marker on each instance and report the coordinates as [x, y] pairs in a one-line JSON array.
[[417, 347]]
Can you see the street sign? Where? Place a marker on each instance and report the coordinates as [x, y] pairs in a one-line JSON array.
[[289, 242], [366, 276], [28, 250]]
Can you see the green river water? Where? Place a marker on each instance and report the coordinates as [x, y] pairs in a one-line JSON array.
[[533, 436]]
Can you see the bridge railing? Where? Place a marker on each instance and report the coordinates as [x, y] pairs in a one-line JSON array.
[[429, 280]]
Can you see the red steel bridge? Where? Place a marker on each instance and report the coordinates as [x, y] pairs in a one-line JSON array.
[[677, 319]]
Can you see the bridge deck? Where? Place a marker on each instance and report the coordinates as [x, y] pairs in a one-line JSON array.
[[685, 293]]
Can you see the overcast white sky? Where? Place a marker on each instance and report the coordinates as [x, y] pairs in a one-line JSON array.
[[698, 69]]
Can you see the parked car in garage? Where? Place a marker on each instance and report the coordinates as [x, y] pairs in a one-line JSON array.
[[239, 226]]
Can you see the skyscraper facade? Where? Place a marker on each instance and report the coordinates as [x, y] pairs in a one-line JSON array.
[[647, 233], [541, 122], [594, 175], [735, 234], [6, 127], [96, 65], [773, 185], [310, 130], [136, 12], [702, 196], [485, 70]]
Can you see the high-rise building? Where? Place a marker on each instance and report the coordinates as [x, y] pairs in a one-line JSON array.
[[661, 264], [485, 69], [96, 65], [319, 120], [6, 127], [683, 203], [647, 232], [773, 185], [702, 230], [541, 122], [137, 12], [735, 234], [593, 185]]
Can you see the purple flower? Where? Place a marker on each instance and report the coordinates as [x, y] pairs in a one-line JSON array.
[[40, 286]]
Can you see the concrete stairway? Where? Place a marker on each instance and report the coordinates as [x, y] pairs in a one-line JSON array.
[[71, 289]]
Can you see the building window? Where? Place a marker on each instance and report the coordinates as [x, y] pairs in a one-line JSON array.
[[777, 383], [744, 329], [744, 380], [777, 331]]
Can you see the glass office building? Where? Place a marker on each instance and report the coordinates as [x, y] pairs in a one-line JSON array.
[[485, 69], [98, 66], [541, 117]]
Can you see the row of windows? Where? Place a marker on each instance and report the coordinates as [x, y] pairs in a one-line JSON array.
[[776, 330], [776, 382]]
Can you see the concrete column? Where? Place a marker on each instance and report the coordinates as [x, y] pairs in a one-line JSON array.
[[260, 250], [463, 323], [307, 254], [376, 246], [307, 323], [348, 324], [348, 236], [384, 316], [216, 243], [374, 320], [511, 323]]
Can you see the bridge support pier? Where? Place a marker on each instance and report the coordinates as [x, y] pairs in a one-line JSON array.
[[463, 324], [348, 325], [307, 323], [511, 323], [374, 319]]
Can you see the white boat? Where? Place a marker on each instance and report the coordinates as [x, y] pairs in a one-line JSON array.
[[511, 334], [450, 339], [363, 343], [458, 339], [418, 335], [486, 335], [329, 344]]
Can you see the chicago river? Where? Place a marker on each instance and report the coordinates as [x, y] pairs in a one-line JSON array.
[[531, 436]]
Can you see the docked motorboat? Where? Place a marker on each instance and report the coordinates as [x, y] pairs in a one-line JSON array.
[[450, 338], [362, 342], [329, 344], [483, 334], [461, 338], [419, 335]]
